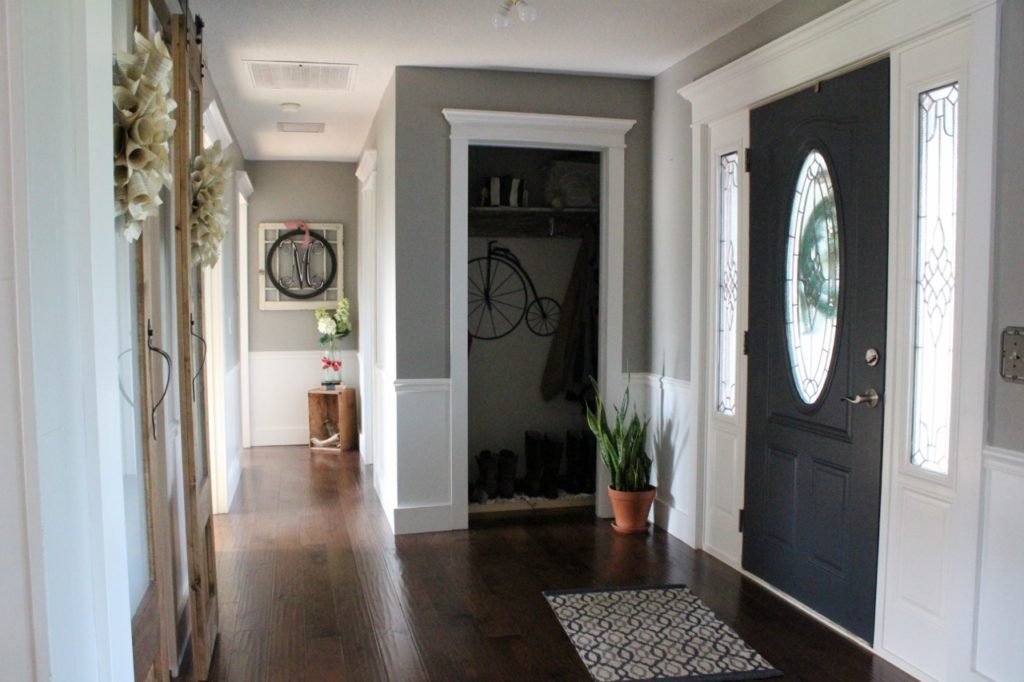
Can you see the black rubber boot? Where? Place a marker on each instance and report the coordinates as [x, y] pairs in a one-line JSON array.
[[534, 463], [507, 461], [589, 462], [574, 462], [552, 465], [487, 464]]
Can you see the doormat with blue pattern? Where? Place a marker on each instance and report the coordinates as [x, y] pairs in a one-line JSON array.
[[654, 633]]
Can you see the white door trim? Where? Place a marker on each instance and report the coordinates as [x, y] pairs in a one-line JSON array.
[[244, 189], [856, 32], [494, 128], [366, 173], [13, 211]]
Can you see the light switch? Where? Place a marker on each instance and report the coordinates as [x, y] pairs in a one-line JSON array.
[[1013, 354]]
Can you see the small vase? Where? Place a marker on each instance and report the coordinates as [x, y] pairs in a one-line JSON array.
[[331, 364]]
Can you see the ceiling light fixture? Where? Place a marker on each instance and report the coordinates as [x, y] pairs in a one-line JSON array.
[[527, 13], [295, 127], [290, 107]]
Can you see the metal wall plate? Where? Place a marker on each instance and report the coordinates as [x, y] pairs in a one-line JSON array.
[[1013, 354]]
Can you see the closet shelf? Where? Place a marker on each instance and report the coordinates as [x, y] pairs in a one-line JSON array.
[[533, 221]]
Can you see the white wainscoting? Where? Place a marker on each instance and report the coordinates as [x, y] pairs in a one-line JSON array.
[[233, 438], [999, 628], [425, 502], [278, 384], [672, 438], [385, 462]]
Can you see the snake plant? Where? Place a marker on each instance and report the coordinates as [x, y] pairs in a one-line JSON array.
[[622, 444]]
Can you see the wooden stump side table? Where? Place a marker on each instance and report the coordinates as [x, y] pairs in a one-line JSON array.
[[340, 407]]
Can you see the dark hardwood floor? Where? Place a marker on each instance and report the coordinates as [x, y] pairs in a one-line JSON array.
[[313, 586]]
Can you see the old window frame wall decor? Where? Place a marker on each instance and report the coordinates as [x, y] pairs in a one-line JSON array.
[[270, 298]]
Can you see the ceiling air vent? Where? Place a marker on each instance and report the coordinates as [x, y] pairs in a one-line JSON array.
[[295, 127], [301, 75]]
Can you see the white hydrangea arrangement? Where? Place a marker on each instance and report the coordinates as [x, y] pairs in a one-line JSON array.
[[142, 128], [209, 220], [333, 325]]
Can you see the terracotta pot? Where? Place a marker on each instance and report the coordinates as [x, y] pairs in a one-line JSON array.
[[631, 510]]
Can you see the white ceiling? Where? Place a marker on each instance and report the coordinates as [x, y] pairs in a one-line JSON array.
[[621, 37]]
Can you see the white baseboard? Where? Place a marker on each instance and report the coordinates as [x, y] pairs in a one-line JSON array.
[[234, 478], [427, 519], [281, 435]]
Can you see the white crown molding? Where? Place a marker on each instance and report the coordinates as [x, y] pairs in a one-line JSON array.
[[495, 126], [854, 32]]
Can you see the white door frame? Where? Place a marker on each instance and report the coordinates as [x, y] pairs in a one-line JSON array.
[[243, 189], [508, 129], [24, 485], [366, 173], [854, 33]]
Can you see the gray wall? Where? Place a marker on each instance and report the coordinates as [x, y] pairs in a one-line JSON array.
[[671, 241], [422, 243], [299, 190], [1006, 409]]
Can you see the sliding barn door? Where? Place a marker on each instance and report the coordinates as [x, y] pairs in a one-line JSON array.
[[144, 374], [192, 348]]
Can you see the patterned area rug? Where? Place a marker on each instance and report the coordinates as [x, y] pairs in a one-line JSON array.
[[654, 633]]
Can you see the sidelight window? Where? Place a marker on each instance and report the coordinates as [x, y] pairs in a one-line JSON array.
[[728, 280], [812, 278], [936, 277]]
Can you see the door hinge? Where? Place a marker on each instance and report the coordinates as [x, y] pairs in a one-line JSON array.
[[746, 342], [740, 529], [746, 159]]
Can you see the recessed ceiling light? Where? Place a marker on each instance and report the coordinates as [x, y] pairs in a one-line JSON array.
[[293, 127], [290, 107]]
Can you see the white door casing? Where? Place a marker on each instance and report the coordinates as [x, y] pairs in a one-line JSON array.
[[929, 525], [244, 188], [494, 128], [366, 173]]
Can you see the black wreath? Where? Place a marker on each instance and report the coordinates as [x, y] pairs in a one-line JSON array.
[[328, 278]]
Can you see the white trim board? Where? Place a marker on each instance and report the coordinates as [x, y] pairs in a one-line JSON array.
[[852, 33], [859, 31], [498, 128]]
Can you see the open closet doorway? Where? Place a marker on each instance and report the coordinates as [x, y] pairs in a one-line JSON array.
[[533, 300], [555, 136]]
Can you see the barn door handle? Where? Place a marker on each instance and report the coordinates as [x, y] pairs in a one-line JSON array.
[[202, 359], [869, 398], [167, 379]]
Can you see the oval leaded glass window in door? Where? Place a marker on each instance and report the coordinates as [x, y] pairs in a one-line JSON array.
[[812, 278]]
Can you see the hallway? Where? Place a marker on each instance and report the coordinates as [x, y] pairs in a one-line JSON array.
[[313, 586]]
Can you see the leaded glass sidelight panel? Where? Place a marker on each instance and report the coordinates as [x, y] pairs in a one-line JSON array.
[[812, 278], [728, 280], [936, 277]]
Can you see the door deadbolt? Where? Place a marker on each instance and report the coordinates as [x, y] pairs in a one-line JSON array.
[[871, 357]]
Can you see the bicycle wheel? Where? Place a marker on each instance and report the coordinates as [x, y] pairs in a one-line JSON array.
[[542, 316], [497, 298]]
